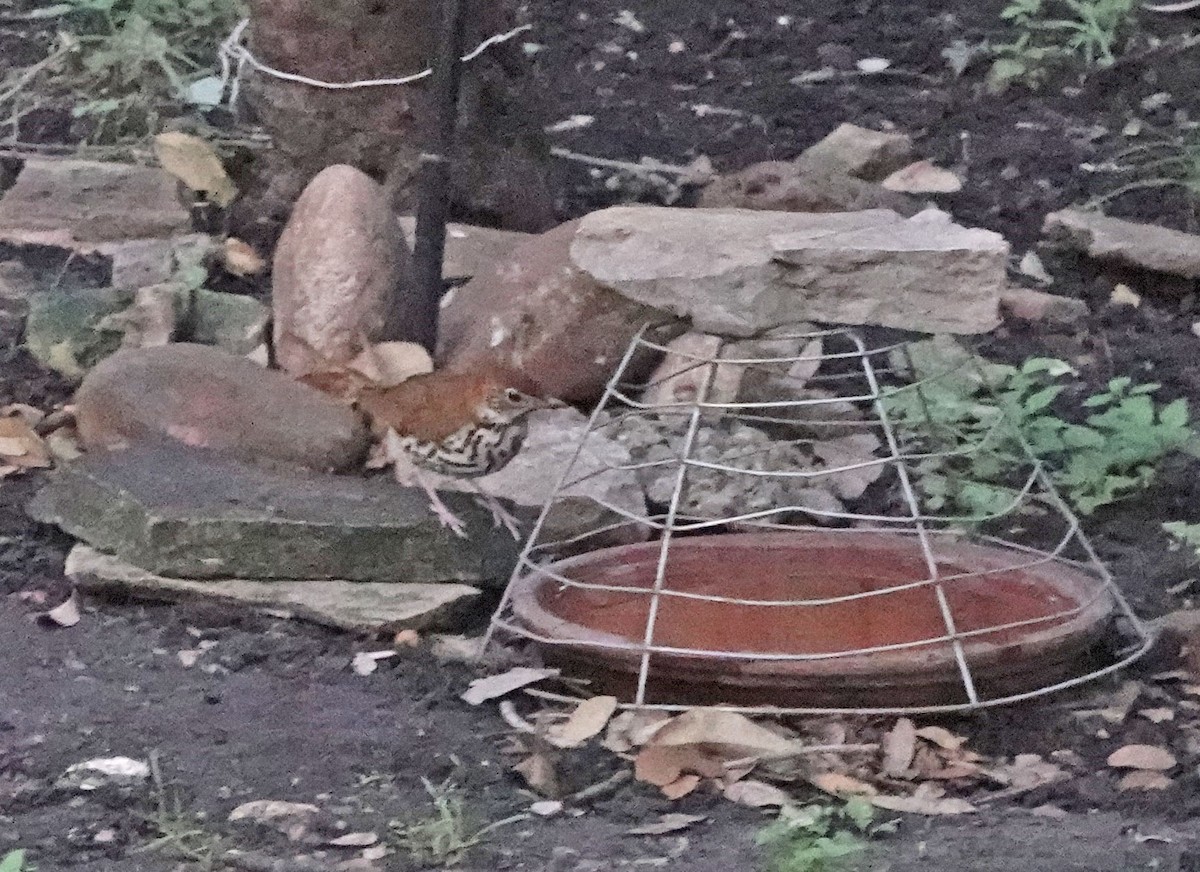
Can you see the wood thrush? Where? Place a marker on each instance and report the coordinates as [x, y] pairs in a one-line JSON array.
[[455, 424]]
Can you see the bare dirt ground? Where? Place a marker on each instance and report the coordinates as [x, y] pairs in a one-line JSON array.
[[272, 711]]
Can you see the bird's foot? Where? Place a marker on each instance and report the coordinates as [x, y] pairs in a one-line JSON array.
[[501, 517], [441, 511]]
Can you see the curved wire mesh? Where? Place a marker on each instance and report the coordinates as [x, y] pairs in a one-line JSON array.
[[818, 436]]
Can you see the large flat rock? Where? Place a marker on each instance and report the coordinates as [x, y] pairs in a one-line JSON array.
[[187, 513], [354, 606], [740, 272], [84, 204]]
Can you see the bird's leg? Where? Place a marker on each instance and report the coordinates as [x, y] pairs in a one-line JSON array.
[[443, 513], [500, 515]]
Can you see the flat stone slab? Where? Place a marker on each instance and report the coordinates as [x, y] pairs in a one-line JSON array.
[[740, 272], [1146, 246], [187, 513], [82, 204], [354, 606]]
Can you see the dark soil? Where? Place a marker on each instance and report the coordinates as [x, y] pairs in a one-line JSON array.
[[272, 710]]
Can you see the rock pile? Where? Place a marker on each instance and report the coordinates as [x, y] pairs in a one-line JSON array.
[[187, 505]]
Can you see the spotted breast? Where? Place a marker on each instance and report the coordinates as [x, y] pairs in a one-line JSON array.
[[473, 450]]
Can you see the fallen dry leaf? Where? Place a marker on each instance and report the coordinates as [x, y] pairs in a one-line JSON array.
[[681, 786], [942, 737], [1143, 780], [668, 823], [756, 794], [538, 772], [840, 784], [20, 446], [898, 747], [65, 615], [926, 799], [195, 163], [589, 719], [730, 734], [241, 259], [366, 662], [387, 364], [632, 729], [736, 770], [272, 810], [662, 765], [375, 852], [1027, 771], [923, 177], [354, 840], [1123, 295], [482, 689], [930, 764], [1149, 757], [1158, 715]]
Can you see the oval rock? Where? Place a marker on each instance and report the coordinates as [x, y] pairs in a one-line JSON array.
[[338, 268], [209, 398]]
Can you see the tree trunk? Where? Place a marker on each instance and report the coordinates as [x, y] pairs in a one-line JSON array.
[[500, 165]]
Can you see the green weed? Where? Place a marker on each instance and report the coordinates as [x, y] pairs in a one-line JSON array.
[[14, 861], [179, 832], [975, 419], [818, 838], [122, 64], [1054, 34], [444, 836], [1165, 163]]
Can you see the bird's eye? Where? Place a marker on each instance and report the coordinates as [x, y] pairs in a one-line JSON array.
[[512, 395]]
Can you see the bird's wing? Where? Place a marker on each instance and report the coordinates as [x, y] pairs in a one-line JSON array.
[[427, 407]]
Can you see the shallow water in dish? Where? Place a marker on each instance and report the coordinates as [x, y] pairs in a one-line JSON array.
[[821, 572]]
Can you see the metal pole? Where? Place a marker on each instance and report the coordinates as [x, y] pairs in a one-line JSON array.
[[433, 207]]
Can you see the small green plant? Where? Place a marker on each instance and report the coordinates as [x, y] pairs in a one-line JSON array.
[[818, 838], [442, 838], [1056, 33], [121, 63], [974, 419], [1167, 162], [14, 861], [179, 832]]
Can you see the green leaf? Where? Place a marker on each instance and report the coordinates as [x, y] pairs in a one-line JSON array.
[[1004, 72], [1175, 414], [1052, 366], [860, 812], [1039, 400], [1075, 436], [14, 861]]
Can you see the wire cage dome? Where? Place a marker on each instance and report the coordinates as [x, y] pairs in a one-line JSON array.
[[830, 526]]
